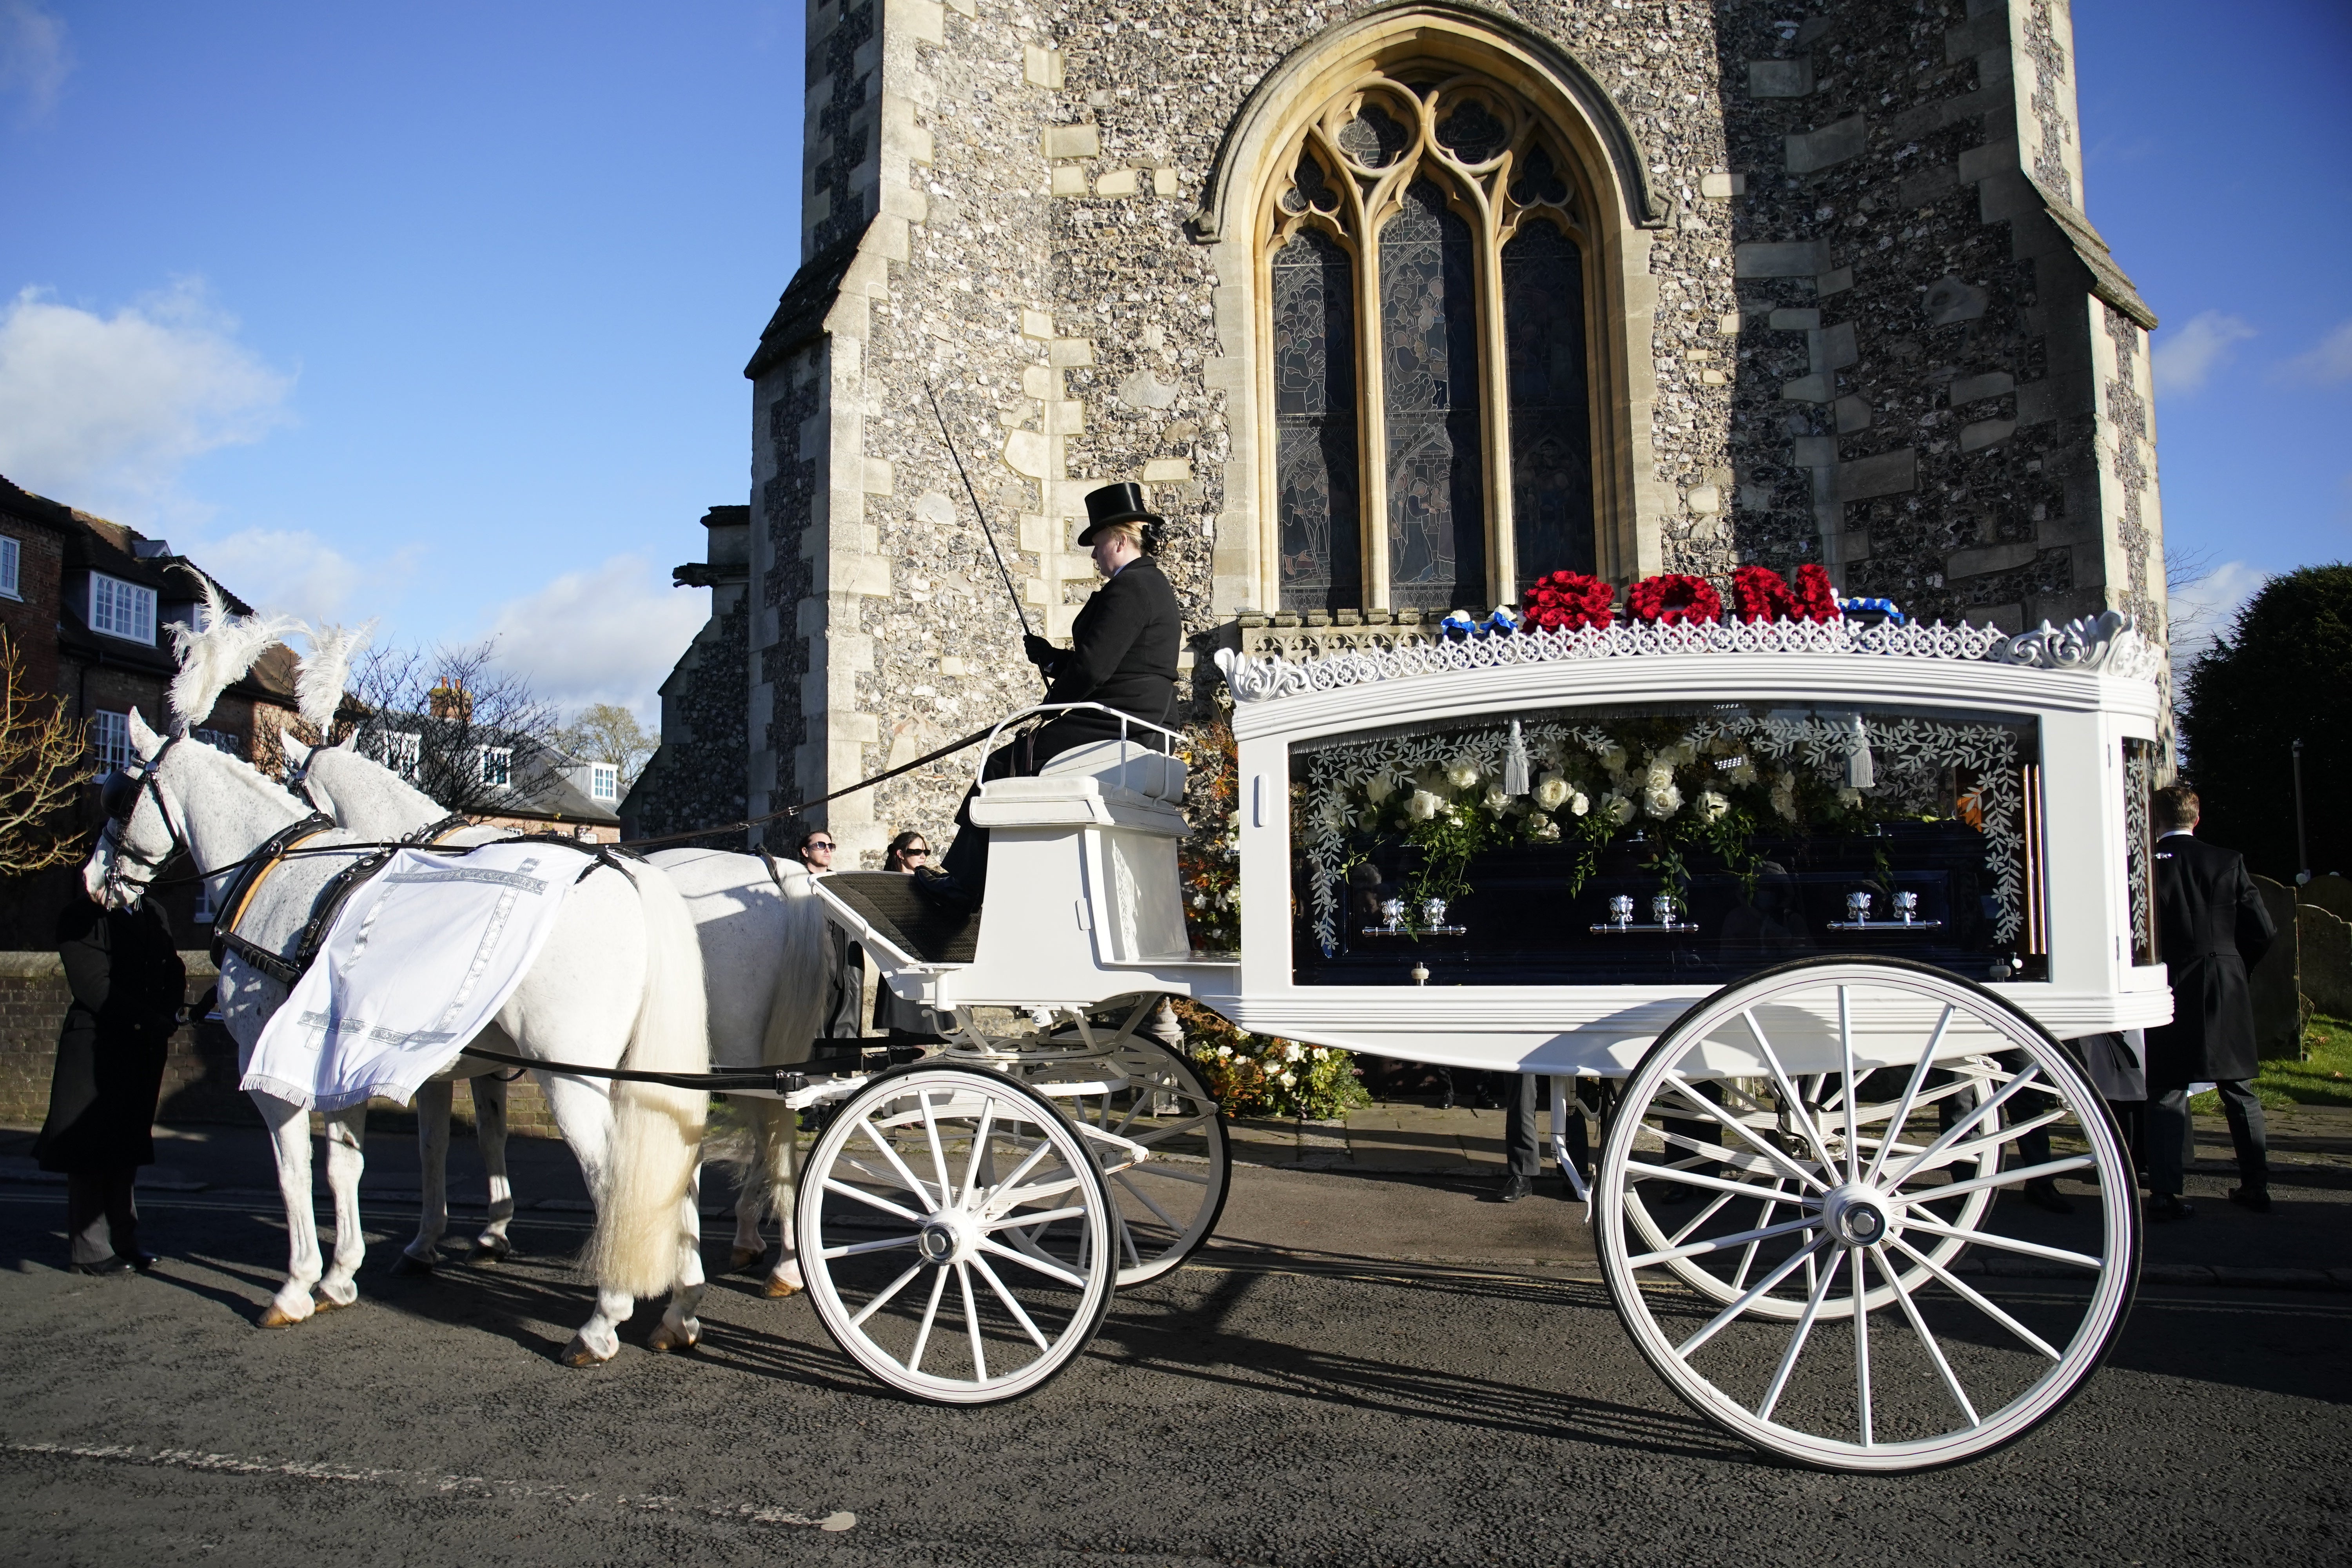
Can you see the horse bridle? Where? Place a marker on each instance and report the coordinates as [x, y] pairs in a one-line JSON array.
[[119, 793]]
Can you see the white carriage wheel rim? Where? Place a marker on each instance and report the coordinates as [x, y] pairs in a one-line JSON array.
[[1093, 1199], [2102, 1312], [1219, 1176], [1945, 1250]]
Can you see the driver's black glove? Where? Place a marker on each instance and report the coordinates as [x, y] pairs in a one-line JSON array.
[[1042, 654]]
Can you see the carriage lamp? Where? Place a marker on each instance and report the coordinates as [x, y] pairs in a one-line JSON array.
[[1621, 910], [1858, 907], [1433, 912], [1906, 907], [1393, 914], [1662, 909]]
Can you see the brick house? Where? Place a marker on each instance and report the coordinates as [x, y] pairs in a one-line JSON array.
[[88, 603]]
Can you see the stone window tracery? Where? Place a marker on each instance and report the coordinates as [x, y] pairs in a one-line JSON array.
[[1426, 251]]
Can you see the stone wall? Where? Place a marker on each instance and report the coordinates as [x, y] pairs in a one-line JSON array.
[[200, 1075], [1860, 317], [696, 777], [2323, 949]]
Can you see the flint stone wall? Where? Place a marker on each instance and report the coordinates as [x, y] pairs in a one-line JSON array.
[[1874, 330]]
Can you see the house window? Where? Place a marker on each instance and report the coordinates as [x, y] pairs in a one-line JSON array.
[[122, 609], [605, 781], [497, 762], [1426, 326], [402, 750], [109, 738], [204, 909], [11, 558]]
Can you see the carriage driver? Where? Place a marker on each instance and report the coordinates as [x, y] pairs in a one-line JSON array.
[[1122, 653]]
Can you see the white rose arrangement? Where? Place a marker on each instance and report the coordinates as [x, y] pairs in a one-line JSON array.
[[1712, 806], [1424, 806], [1463, 773], [1551, 791]]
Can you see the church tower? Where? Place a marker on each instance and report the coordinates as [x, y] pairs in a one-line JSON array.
[[1395, 307]]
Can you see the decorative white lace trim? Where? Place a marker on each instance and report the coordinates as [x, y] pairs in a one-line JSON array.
[[2108, 643]]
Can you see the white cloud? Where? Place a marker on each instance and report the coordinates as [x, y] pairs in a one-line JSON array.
[[2204, 609], [34, 57], [104, 412], [295, 571], [2193, 351], [2327, 362], [608, 635]]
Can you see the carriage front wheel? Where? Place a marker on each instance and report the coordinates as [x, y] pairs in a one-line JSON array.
[[1818, 1141], [958, 1237]]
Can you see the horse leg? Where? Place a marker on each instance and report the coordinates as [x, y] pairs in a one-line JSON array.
[[783, 1155], [584, 1115], [751, 1188], [346, 1132], [289, 1141], [680, 1328], [418, 1257], [490, 1136]]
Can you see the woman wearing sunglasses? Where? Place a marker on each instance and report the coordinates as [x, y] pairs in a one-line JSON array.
[[908, 853]]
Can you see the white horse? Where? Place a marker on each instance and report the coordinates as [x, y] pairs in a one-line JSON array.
[[762, 938], [618, 983]]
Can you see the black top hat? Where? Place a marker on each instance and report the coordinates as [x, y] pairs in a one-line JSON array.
[[1121, 502]]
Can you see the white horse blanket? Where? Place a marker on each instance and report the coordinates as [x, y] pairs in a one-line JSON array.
[[418, 961]]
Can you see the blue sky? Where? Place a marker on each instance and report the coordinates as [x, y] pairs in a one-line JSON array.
[[438, 312]]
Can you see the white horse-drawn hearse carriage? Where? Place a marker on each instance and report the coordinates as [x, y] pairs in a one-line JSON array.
[[1804, 912]]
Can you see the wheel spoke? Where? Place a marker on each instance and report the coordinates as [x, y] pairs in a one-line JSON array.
[[1005, 1202], [2007, 1244], [1725, 1117], [1763, 1216], [1717, 1244], [863, 1196], [858, 1249], [1959, 1128], [1911, 1091], [931, 1315], [971, 1325], [1037, 1261], [1043, 1148], [913, 1183], [1787, 1267], [1030, 1220], [1976, 1146], [1704, 1214], [1159, 1135], [1862, 1344], [1846, 1054], [1788, 1095], [1681, 1178], [979, 1147], [1145, 1199], [938, 1155], [1708, 1153], [1969, 1295], [1804, 1332], [882, 1300], [1010, 1305], [1998, 1179], [1919, 1327]]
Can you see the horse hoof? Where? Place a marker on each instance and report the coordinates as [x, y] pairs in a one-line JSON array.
[[491, 1250], [322, 1302], [278, 1317], [407, 1266], [577, 1354], [779, 1287], [664, 1339], [745, 1256]]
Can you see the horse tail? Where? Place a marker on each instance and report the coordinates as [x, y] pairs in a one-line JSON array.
[[658, 1130]]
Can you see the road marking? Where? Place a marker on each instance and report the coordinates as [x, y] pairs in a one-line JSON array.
[[475, 1486]]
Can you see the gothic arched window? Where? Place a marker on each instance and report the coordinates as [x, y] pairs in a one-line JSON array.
[[1433, 441]]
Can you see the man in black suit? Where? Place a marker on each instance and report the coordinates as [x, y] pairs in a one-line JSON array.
[[1122, 653], [2210, 924]]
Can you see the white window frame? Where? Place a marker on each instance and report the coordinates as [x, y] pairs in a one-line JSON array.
[[498, 765], [138, 626], [109, 738], [203, 911], [603, 781], [402, 750], [12, 566]]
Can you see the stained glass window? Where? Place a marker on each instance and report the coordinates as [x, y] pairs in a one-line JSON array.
[[1315, 424], [1551, 439], [1429, 354]]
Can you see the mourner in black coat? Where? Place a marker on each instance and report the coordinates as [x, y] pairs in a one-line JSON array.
[[128, 987], [844, 961], [2210, 924], [1122, 653]]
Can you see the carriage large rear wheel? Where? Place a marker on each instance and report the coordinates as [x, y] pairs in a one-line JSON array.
[[957, 1235], [1863, 1307]]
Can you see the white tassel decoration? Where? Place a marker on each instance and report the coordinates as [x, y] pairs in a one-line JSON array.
[[1861, 769], [1515, 763]]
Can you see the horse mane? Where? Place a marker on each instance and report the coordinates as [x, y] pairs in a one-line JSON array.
[[324, 671], [216, 654]]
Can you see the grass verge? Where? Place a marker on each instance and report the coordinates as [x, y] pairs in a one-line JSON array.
[[2323, 1078]]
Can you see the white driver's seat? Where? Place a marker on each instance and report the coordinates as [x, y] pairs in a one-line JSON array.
[[1123, 764]]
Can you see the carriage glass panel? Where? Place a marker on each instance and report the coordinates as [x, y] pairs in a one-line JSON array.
[[1669, 842]]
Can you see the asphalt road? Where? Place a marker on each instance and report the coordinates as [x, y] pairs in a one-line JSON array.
[[1290, 1400]]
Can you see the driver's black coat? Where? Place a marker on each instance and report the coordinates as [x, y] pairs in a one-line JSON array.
[[1122, 653], [128, 985]]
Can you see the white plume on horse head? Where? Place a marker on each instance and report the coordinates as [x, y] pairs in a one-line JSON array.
[[216, 653], [324, 671]]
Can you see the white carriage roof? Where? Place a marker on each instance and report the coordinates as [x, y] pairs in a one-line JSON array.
[[2109, 644]]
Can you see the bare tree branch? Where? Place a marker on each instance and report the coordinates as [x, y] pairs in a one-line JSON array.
[[44, 762], [442, 716]]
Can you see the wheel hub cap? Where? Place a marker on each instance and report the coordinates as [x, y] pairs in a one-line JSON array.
[[1857, 1216], [939, 1242]]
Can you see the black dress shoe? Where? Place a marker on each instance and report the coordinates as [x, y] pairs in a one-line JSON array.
[[2167, 1206], [142, 1261], [1514, 1187], [104, 1266], [2043, 1194], [2255, 1198]]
